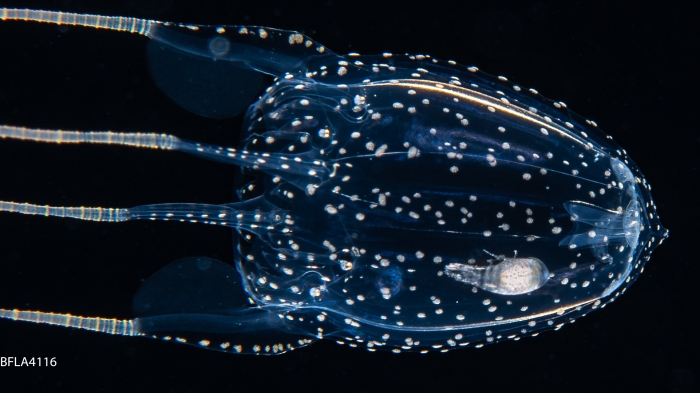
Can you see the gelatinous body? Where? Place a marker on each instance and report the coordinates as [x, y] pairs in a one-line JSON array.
[[377, 184]]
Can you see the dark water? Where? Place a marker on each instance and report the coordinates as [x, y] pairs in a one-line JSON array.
[[627, 69]]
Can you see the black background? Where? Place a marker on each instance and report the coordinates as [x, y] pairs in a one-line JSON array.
[[629, 67]]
